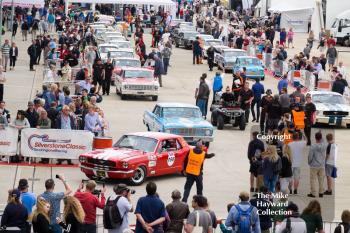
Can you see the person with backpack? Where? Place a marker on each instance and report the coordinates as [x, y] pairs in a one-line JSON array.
[[344, 226], [90, 203], [199, 221], [293, 223], [115, 213], [243, 217]]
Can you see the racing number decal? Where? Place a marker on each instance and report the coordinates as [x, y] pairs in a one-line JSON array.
[[152, 161], [171, 158]]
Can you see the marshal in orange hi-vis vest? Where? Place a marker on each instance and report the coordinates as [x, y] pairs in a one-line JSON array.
[[299, 118], [195, 162]]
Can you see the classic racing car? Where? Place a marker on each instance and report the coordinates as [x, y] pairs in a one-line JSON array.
[[133, 81], [225, 58], [331, 108], [137, 156], [185, 39], [118, 63], [253, 65], [181, 119], [227, 113]]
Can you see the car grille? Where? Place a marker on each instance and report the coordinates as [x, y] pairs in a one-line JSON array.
[[140, 87], [189, 132], [99, 163], [335, 113]]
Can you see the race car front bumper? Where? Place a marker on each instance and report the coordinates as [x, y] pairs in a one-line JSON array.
[[99, 173], [333, 120]]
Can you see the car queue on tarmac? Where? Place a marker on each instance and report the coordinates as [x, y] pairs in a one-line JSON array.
[[80, 70]]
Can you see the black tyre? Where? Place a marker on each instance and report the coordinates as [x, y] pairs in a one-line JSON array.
[[207, 144], [139, 176], [347, 42], [237, 121], [123, 97], [220, 122], [242, 123], [176, 45], [154, 98], [213, 119]]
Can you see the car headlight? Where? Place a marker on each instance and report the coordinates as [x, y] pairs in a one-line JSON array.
[[156, 87], [208, 132], [318, 112], [168, 131], [82, 159], [125, 164], [124, 87]]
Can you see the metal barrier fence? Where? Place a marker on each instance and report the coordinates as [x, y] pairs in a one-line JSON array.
[[328, 227]]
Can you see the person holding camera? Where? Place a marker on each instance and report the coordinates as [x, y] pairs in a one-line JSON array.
[[55, 200], [122, 197], [90, 199]]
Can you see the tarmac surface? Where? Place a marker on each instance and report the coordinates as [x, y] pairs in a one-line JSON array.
[[225, 175]]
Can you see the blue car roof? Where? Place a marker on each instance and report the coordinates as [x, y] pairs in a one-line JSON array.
[[176, 105]]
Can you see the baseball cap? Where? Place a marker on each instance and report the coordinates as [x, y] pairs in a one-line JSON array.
[[23, 183], [120, 188]]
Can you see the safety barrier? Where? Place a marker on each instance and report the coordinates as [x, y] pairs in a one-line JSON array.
[[58, 78], [45, 143]]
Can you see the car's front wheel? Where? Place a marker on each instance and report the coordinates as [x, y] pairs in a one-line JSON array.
[[123, 97], [139, 176], [154, 98], [220, 122]]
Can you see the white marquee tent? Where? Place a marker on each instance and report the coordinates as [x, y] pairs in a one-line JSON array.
[[169, 5], [297, 14]]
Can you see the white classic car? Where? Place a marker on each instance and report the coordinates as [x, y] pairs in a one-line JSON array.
[[331, 108], [103, 50], [132, 81]]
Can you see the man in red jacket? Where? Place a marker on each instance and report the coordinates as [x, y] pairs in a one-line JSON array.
[[90, 202]]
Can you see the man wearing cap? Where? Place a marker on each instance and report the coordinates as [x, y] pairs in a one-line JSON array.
[[32, 115], [28, 199], [293, 222], [123, 199], [90, 203], [177, 211], [55, 200], [194, 169]]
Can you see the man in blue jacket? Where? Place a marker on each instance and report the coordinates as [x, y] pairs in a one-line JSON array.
[[217, 84], [258, 90]]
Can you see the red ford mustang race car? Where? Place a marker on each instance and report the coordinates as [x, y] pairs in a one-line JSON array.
[[136, 156]]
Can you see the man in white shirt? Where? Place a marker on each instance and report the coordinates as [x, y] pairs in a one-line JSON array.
[[293, 223], [124, 206], [297, 147], [342, 70], [331, 157]]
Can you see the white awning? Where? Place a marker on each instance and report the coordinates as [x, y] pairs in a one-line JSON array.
[[24, 3]]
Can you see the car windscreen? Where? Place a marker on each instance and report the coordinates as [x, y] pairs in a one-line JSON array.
[[121, 54], [137, 143], [127, 62], [234, 53], [249, 62], [138, 74], [123, 45], [175, 112], [213, 42], [328, 99], [190, 34], [115, 38], [105, 49]]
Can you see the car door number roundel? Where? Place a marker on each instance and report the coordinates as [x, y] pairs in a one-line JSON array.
[[171, 158]]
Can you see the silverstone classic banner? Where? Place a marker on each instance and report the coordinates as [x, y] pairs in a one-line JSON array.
[[8, 141], [55, 143], [24, 3]]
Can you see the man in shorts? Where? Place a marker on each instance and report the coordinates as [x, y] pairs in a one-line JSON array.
[[297, 147]]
